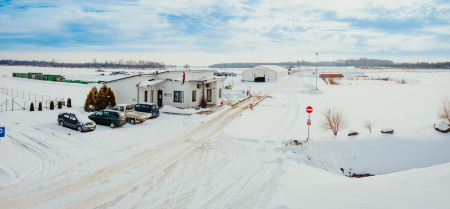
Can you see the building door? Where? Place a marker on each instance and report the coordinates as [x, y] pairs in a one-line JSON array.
[[209, 95], [160, 98], [145, 96], [260, 75]]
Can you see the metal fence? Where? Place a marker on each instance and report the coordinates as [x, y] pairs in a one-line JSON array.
[[18, 97]]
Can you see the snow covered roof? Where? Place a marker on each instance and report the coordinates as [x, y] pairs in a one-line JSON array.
[[134, 76], [271, 67], [150, 82], [120, 79], [207, 79]]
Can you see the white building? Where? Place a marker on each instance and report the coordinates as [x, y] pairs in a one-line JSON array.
[[164, 88], [263, 73]]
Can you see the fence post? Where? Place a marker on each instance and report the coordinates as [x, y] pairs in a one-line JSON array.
[[12, 104]]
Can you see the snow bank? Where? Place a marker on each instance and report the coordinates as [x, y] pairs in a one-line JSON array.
[[442, 127], [312, 154], [352, 131], [171, 109]]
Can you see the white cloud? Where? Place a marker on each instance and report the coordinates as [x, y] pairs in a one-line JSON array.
[[229, 27]]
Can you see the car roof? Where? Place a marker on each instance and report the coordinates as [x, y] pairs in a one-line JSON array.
[[146, 103], [70, 111]]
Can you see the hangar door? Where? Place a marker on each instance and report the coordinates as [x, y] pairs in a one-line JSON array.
[[260, 75]]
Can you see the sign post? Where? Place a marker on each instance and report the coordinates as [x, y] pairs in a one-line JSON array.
[[309, 110], [2, 131]]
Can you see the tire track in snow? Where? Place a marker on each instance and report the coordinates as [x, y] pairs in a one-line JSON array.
[[36, 151], [220, 121], [50, 147], [244, 198]]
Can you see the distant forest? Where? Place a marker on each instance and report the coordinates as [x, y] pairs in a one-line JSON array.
[[361, 62], [121, 64]]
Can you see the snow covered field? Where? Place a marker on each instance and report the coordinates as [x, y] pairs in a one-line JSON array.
[[235, 157]]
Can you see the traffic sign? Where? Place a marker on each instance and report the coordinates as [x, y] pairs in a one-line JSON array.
[[309, 109], [308, 122], [2, 131]]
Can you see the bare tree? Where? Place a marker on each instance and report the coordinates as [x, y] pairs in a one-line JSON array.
[[333, 119], [444, 110], [369, 125], [186, 66]]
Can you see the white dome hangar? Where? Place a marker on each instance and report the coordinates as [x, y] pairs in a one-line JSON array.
[[264, 73]]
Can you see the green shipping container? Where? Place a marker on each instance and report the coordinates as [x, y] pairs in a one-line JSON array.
[[22, 75], [33, 75]]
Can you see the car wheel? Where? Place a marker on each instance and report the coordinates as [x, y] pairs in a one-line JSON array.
[[133, 121], [61, 123], [112, 125], [80, 129]]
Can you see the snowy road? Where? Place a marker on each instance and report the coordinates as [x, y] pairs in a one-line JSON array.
[[130, 176]]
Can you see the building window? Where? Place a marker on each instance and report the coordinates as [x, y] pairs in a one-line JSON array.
[[220, 93], [194, 95], [178, 96]]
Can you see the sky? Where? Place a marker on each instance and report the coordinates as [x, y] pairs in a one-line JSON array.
[[207, 32]]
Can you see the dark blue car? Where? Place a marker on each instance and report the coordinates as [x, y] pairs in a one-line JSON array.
[[148, 108]]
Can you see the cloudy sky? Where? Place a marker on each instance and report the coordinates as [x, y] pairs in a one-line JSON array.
[[207, 32]]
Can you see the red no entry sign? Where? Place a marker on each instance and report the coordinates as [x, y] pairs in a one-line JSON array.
[[309, 109]]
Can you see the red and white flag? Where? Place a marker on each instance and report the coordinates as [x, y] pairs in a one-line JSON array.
[[184, 76]]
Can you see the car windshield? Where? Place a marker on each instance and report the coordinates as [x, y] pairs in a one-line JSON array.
[[118, 108], [81, 117]]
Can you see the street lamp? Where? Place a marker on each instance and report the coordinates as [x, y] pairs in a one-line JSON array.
[[317, 62]]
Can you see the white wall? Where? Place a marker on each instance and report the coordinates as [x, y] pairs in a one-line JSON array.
[[271, 75], [170, 86], [247, 75], [125, 90]]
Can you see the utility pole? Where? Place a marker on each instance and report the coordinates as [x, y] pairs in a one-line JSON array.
[[317, 62]]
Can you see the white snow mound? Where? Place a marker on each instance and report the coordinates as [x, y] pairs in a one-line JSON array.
[[443, 126], [352, 131]]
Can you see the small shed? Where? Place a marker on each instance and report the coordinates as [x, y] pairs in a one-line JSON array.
[[263, 73], [329, 75]]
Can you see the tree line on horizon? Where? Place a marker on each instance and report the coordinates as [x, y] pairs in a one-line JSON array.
[[120, 64], [361, 62]]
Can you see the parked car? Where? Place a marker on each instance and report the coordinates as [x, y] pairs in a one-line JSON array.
[[75, 119], [132, 115], [110, 118], [151, 108]]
